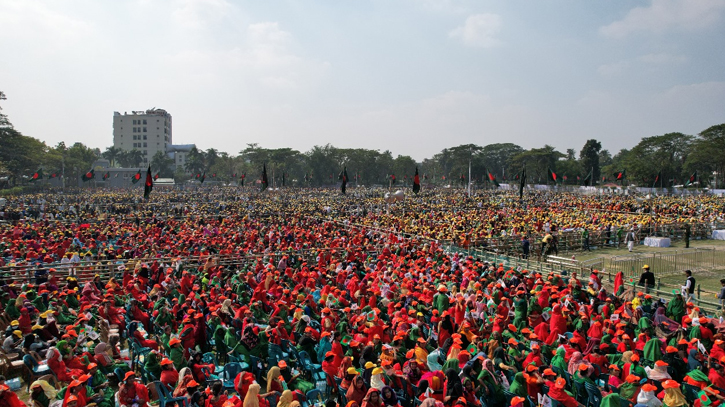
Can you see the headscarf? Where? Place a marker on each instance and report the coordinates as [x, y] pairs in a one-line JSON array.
[[251, 399], [390, 401], [353, 393], [653, 350], [518, 386], [674, 397], [611, 400], [376, 381], [285, 399], [574, 362], [49, 390], [658, 373], [648, 398], [272, 375], [559, 361], [692, 361], [185, 376], [451, 364], [366, 400]]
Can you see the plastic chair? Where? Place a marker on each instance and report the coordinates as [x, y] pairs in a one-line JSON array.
[[165, 397], [595, 395], [35, 370], [314, 396], [272, 399], [230, 372], [581, 392], [690, 392]]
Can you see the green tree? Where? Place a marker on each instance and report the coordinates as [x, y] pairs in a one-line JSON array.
[[666, 153], [538, 161], [162, 164], [112, 154], [498, 158], [194, 162], [590, 160], [708, 155]]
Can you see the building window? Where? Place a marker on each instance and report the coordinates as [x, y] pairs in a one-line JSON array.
[[144, 144], [144, 121], [144, 129], [134, 122], [144, 137], [144, 151]]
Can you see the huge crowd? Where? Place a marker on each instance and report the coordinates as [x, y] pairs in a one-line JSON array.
[[221, 299]]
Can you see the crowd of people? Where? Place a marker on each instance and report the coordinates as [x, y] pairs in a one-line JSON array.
[[220, 300]]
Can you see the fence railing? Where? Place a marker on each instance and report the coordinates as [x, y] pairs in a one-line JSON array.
[[668, 263], [703, 298]]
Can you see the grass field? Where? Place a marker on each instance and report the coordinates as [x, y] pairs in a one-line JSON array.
[[708, 277]]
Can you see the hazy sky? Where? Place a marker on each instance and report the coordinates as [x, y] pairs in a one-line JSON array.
[[411, 76]]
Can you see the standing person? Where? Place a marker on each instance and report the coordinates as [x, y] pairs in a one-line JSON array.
[[688, 290], [687, 235], [629, 239], [585, 239], [647, 278], [525, 246], [721, 296]]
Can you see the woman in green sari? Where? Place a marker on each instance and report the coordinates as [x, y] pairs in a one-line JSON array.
[[152, 365], [653, 350], [630, 388], [518, 385], [559, 361], [676, 308], [451, 364]]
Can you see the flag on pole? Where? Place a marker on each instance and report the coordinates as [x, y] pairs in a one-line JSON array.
[[692, 179], [37, 175], [265, 182], [588, 179], [416, 182], [203, 177], [522, 183], [89, 175], [241, 179], [137, 177], [343, 177], [492, 178], [553, 176], [658, 178], [149, 185]]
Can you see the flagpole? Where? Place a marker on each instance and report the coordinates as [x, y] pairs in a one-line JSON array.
[[469, 178]]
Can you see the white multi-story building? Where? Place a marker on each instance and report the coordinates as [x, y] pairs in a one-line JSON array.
[[146, 131]]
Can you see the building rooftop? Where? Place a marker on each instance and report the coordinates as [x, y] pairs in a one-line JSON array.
[[153, 111]]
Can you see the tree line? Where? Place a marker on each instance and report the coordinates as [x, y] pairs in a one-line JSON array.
[[656, 161]]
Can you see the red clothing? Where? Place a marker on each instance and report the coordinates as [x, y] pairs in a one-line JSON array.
[[562, 397], [128, 392], [716, 378], [169, 378]]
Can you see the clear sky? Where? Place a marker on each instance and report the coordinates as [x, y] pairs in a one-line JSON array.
[[411, 76]]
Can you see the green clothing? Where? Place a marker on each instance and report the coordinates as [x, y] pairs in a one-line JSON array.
[[451, 364], [42, 399], [12, 310], [676, 308], [441, 302], [152, 365], [652, 350], [518, 386], [699, 376], [611, 400], [558, 360], [177, 356], [628, 390]]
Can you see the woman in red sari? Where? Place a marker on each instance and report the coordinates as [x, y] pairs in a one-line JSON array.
[[56, 364]]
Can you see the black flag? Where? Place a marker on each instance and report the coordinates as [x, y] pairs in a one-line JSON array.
[[343, 177], [416, 182], [265, 183], [149, 185], [588, 179], [658, 178], [522, 183]]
